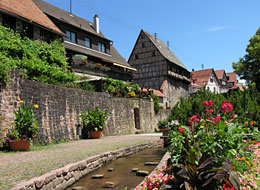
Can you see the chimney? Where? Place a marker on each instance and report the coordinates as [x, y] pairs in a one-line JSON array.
[[96, 23], [193, 69]]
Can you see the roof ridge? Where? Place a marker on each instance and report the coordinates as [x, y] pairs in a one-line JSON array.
[[163, 49]]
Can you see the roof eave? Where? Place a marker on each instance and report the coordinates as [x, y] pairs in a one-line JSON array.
[[30, 21]]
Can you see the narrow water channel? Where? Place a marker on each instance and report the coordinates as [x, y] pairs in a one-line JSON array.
[[122, 176]]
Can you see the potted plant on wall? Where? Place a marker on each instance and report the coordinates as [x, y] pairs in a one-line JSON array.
[[94, 122], [163, 125], [24, 128]]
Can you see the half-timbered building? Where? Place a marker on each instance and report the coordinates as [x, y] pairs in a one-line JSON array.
[[159, 68]]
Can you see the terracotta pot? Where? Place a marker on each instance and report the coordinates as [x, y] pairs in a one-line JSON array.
[[20, 145], [95, 134], [162, 129]]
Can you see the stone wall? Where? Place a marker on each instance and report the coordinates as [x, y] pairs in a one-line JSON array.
[[60, 107], [64, 177]]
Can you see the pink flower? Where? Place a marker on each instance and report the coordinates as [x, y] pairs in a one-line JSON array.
[[218, 119], [205, 103], [232, 117], [194, 119], [181, 130], [99, 101], [226, 106], [211, 103]]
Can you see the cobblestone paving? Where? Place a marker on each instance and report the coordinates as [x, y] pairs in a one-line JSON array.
[[18, 166]]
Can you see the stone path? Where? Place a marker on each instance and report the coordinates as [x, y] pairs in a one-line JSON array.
[[16, 167]]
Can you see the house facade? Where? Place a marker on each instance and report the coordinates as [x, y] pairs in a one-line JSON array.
[[28, 20], [159, 68], [90, 53], [232, 80], [205, 78], [222, 77]]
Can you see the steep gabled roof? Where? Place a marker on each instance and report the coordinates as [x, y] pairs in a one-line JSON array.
[[202, 77], [220, 73], [28, 11], [68, 18], [232, 78], [163, 49]]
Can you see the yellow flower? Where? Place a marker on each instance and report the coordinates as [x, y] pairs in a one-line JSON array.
[[21, 102], [252, 163], [201, 127], [36, 106], [247, 163], [246, 123], [189, 141], [243, 158]]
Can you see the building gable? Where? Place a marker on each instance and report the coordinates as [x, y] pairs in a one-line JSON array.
[[29, 11]]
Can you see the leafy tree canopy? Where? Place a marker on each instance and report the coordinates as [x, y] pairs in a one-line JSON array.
[[248, 67]]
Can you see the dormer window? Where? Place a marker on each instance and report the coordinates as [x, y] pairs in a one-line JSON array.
[[101, 47], [71, 36], [87, 42]]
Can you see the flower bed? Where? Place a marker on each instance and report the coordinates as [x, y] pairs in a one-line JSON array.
[[216, 151], [248, 180]]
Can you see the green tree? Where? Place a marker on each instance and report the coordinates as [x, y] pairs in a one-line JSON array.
[[248, 67]]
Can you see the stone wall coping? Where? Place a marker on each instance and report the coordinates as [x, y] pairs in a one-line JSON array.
[[162, 162], [64, 177]]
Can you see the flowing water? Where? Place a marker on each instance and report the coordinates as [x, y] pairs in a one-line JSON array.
[[122, 176]]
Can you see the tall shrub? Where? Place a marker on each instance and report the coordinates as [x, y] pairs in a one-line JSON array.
[[246, 105]]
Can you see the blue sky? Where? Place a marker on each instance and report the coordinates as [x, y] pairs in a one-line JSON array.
[[213, 33]]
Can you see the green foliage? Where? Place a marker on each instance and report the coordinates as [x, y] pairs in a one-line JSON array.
[[82, 85], [94, 120], [156, 104], [122, 89], [117, 87], [163, 124], [37, 60], [202, 154], [25, 124], [248, 67], [246, 105]]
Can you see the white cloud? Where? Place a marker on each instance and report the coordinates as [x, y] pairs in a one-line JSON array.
[[212, 29], [217, 28]]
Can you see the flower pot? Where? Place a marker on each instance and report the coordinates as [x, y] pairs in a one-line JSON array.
[[95, 134], [162, 129], [20, 145]]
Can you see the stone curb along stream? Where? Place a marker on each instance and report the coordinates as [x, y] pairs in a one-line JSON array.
[[66, 176], [162, 162]]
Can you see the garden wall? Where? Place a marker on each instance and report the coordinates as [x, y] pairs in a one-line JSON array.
[[60, 107]]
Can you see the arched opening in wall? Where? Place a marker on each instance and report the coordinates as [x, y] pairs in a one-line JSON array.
[[137, 118]]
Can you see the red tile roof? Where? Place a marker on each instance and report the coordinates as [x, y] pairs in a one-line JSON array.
[[242, 87], [220, 73], [201, 77], [163, 85], [232, 78], [155, 92], [29, 11]]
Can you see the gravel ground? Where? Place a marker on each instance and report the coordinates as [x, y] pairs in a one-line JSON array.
[[18, 166]]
